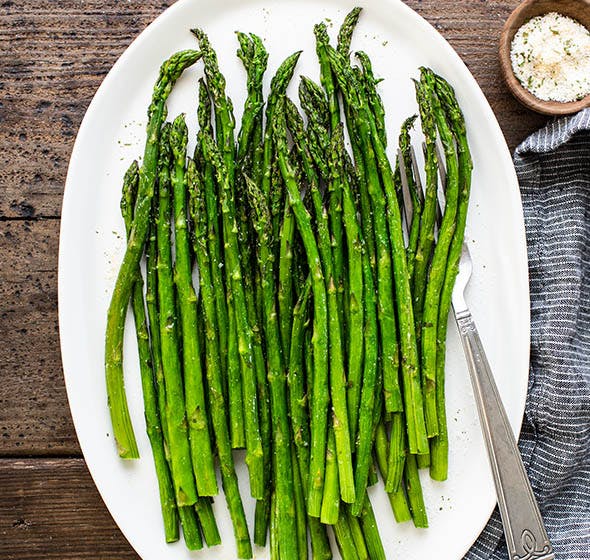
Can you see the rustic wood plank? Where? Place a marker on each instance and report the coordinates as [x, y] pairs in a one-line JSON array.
[[55, 55], [58, 53], [50, 508], [34, 415]]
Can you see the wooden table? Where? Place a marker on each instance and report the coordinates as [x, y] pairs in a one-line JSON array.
[[53, 57]]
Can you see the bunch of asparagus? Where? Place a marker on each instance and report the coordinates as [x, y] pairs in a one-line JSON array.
[[316, 340]]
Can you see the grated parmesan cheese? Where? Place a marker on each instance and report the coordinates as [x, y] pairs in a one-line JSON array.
[[550, 56]]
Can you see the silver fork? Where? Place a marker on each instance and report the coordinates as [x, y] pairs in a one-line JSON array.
[[526, 537]]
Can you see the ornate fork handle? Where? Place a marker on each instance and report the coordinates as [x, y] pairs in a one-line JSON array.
[[526, 537]]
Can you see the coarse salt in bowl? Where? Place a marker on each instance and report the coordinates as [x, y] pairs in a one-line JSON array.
[[545, 55]]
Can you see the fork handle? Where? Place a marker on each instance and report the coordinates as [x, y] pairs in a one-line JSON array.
[[526, 536]]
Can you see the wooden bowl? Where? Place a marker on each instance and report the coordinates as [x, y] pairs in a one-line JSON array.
[[576, 9]]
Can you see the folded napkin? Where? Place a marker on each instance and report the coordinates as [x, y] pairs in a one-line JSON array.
[[553, 167]]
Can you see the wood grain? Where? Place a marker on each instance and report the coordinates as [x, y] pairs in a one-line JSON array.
[[50, 508], [54, 56], [34, 415]]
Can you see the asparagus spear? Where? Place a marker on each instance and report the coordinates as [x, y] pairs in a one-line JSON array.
[[414, 492], [346, 30], [320, 395], [345, 540], [225, 124], [357, 535], [254, 453], [122, 427], [146, 368], [228, 347], [405, 166], [373, 98], [300, 507], [371, 532], [254, 58], [207, 522], [438, 265], [190, 528], [180, 456], [397, 454], [356, 320], [217, 402], [187, 514], [371, 393], [283, 468], [330, 511], [194, 391], [362, 120], [337, 374], [426, 236], [299, 413], [398, 500], [367, 130], [278, 87], [439, 445]]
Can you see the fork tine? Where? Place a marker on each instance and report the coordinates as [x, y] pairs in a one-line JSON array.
[[417, 178], [441, 165], [406, 197]]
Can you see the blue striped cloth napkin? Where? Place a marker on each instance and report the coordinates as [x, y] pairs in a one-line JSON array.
[[553, 167]]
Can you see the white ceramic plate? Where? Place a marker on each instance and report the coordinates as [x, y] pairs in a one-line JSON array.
[[91, 247]]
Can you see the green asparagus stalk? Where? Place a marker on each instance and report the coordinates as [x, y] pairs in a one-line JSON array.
[[373, 98], [346, 30], [217, 404], [178, 442], [335, 198], [278, 87], [371, 532], [225, 125], [187, 514], [397, 454], [190, 528], [440, 444], [204, 510], [254, 58], [274, 521], [438, 265], [371, 388], [357, 535], [337, 374], [414, 492], [285, 291], [300, 507], [320, 392], [426, 235], [194, 391], [406, 167], [356, 318], [146, 368], [362, 120], [398, 500], [345, 540], [283, 468], [254, 453], [122, 427], [410, 374], [299, 413], [315, 106], [330, 511]]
